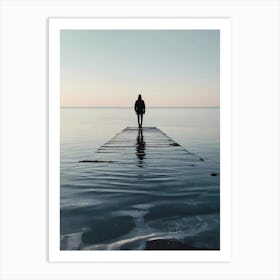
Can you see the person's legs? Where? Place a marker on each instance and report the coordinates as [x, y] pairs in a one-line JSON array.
[[141, 116], [138, 119]]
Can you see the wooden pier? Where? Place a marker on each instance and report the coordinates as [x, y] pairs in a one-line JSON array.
[[151, 149]]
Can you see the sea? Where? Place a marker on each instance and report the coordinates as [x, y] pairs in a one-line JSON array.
[[118, 212]]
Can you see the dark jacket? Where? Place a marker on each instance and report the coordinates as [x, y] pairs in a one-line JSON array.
[[139, 106]]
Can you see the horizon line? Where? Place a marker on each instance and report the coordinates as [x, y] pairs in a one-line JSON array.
[[129, 107]]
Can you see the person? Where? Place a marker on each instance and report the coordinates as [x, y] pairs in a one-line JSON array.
[[139, 108]]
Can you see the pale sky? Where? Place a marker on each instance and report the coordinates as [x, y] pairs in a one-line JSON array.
[[169, 68]]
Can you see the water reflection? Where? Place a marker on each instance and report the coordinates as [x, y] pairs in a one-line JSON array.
[[140, 147]]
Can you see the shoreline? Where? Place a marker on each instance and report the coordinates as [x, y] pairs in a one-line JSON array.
[[172, 244]]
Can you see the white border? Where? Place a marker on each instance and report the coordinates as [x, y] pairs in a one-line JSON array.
[[55, 25]]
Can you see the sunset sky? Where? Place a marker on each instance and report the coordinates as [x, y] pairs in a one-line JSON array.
[[170, 68]]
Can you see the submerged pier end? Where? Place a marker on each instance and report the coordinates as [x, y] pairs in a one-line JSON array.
[[148, 144]]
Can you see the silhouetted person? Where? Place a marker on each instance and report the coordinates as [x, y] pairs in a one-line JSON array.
[[140, 147], [140, 108]]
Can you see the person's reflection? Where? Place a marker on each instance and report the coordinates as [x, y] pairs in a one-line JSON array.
[[140, 147]]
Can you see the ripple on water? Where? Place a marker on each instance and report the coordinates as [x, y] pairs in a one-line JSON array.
[[182, 210], [102, 230]]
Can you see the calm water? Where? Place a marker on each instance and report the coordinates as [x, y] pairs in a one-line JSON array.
[[104, 207]]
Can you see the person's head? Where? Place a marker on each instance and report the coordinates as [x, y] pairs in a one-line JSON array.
[[139, 97]]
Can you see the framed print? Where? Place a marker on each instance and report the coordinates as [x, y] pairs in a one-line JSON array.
[[139, 139], [47, 79]]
